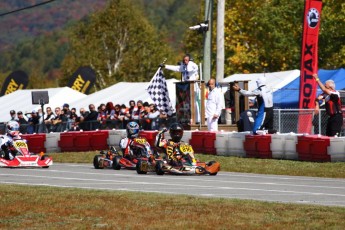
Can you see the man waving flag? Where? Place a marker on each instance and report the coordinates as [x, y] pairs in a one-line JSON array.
[[159, 94]]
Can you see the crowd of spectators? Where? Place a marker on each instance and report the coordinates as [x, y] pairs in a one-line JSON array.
[[104, 117]]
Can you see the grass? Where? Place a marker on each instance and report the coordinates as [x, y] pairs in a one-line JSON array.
[[244, 165], [64, 208]]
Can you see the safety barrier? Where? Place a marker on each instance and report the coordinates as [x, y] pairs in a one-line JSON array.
[[313, 148], [203, 142], [288, 146], [258, 146], [149, 135], [35, 142]]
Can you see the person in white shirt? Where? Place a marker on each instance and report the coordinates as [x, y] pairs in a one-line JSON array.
[[214, 105], [190, 72]]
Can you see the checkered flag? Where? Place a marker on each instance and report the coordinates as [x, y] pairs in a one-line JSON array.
[[159, 94]]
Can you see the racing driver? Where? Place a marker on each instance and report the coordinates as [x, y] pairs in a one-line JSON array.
[[6, 141]]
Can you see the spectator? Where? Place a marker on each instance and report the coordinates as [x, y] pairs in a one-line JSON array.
[[91, 119], [83, 114], [126, 115], [33, 123], [117, 120], [135, 113], [67, 112], [13, 115], [110, 111], [145, 121], [102, 116], [75, 123], [60, 120], [333, 106], [49, 117], [154, 117], [23, 123]]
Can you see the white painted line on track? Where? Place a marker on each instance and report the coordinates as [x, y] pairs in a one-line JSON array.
[[176, 184], [194, 178]]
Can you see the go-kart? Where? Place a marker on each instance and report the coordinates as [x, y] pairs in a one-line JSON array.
[[138, 148], [24, 158], [181, 162]]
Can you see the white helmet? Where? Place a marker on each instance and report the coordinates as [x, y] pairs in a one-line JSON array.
[[261, 81], [12, 128]]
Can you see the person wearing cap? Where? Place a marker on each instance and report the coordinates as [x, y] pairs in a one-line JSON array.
[[33, 122], [264, 98], [23, 123], [13, 115]]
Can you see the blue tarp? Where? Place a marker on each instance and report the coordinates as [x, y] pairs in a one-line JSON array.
[[288, 96]]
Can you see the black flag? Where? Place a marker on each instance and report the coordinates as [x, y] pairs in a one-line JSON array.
[[83, 79], [16, 80]]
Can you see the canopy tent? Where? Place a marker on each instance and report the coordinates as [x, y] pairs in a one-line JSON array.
[[288, 96], [275, 80], [21, 100], [122, 93]]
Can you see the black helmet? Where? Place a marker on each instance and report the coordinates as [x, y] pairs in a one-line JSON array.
[[132, 129], [176, 132]]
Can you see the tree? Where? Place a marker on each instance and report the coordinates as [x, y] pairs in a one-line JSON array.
[[118, 43], [267, 35]]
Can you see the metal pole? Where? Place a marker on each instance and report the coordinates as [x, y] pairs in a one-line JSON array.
[[220, 40], [208, 40]]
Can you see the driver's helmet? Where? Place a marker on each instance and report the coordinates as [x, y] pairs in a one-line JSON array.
[[132, 129], [12, 128], [176, 132]]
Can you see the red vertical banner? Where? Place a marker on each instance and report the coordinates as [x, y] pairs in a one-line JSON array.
[[309, 62]]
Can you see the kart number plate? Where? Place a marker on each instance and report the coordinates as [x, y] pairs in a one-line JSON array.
[[20, 144], [140, 140], [186, 148]]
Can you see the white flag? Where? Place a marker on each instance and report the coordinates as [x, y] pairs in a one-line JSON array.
[[159, 94]]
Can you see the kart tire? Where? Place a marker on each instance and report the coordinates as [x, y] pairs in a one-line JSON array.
[[116, 163], [43, 158], [139, 168], [96, 162], [159, 168], [209, 164]]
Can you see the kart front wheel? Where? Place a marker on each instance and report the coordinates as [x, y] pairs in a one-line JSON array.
[[116, 163], [141, 166], [159, 168]]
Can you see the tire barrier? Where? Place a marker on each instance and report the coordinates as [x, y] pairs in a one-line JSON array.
[[35, 142], [289, 146]]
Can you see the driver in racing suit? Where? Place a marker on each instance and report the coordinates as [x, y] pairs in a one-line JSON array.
[[6, 141], [176, 133], [128, 150]]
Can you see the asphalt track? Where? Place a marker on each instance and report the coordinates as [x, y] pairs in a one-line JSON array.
[[287, 189]]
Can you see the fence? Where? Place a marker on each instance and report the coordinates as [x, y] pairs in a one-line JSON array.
[[285, 121]]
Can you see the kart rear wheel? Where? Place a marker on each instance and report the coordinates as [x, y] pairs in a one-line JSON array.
[[141, 166], [159, 168], [96, 163], [116, 163]]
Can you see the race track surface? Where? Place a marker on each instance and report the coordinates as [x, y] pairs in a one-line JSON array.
[[288, 189]]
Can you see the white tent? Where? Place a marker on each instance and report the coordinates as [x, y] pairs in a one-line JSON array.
[[21, 100], [275, 80], [122, 93]]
